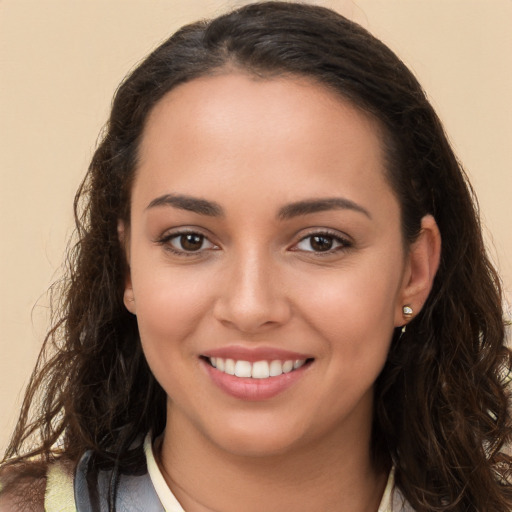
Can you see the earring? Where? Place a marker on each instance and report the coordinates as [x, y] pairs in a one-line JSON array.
[[407, 311]]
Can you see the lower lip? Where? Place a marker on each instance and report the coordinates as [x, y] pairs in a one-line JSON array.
[[254, 389]]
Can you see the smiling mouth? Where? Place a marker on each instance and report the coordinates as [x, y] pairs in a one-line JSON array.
[[258, 369]]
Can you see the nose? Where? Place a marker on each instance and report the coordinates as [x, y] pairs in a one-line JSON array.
[[253, 296]]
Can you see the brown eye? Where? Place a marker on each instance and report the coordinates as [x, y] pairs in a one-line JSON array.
[[321, 243], [187, 243], [190, 241]]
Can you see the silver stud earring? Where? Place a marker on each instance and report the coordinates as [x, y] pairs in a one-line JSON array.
[[407, 311]]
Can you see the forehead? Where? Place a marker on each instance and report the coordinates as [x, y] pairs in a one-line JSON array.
[[286, 135], [228, 100]]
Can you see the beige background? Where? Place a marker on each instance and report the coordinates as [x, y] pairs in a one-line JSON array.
[[60, 62]]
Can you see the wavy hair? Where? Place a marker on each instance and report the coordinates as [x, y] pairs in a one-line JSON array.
[[441, 407]]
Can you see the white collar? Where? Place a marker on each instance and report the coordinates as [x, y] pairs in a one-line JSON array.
[[392, 500]]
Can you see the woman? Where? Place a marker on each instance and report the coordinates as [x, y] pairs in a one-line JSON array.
[[279, 298]]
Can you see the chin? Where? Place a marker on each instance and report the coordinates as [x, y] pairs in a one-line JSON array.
[[249, 446], [257, 440]]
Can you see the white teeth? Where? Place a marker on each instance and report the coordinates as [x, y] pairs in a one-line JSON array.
[[243, 369], [287, 366], [276, 368], [229, 367], [260, 370], [256, 370]]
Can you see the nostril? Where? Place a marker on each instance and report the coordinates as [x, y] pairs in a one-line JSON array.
[[251, 316]]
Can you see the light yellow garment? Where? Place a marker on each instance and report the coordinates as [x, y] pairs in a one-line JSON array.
[[59, 496]]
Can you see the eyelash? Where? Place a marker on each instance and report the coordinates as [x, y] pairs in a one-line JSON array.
[[342, 243], [166, 242]]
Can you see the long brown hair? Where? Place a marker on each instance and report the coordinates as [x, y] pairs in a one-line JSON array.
[[441, 408]]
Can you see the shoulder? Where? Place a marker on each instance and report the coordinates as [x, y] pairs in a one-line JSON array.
[[28, 486], [22, 487]]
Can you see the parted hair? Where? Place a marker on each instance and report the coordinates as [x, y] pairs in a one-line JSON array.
[[441, 413]]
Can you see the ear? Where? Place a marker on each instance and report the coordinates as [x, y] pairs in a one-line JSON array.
[[422, 262], [124, 240]]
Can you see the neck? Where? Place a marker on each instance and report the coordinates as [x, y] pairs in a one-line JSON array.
[[334, 474]]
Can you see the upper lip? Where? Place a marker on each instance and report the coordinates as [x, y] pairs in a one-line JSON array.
[[253, 354]]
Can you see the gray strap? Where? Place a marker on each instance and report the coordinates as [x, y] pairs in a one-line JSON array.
[[135, 492]]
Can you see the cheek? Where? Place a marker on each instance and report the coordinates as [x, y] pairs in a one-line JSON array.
[[355, 300], [169, 310], [353, 312], [169, 304]]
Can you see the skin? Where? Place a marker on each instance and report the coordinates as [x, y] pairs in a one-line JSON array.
[[253, 147]]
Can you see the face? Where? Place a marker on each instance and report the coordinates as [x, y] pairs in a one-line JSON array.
[[267, 266]]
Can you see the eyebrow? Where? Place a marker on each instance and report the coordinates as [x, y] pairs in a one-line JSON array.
[[212, 209], [189, 203], [320, 205]]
